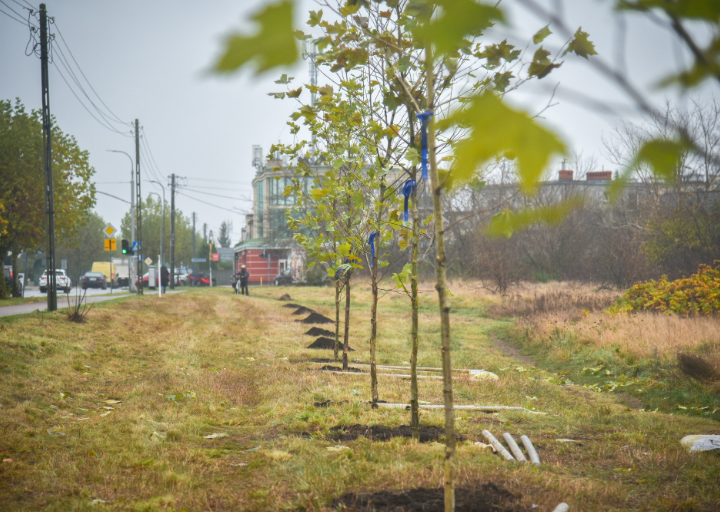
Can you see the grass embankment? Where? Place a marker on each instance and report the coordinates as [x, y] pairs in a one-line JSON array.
[[112, 414], [567, 330]]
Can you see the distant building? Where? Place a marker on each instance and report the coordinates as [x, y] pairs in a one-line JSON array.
[[267, 247]]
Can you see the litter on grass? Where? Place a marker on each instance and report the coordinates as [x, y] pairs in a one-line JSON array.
[[701, 443], [216, 436], [337, 448]]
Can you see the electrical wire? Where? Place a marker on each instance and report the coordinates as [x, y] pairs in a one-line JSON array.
[[145, 150], [31, 5], [111, 128], [107, 122], [13, 10], [152, 156], [216, 181], [116, 118], [218, 195], [210, 204], [21, 21], [115, 197]]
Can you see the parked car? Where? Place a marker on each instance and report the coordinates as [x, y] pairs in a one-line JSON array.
[[93, 280], [107, 269], [146, 280], [9, 279], [62, 281], [201, 280], [182, 279], [283, 278]]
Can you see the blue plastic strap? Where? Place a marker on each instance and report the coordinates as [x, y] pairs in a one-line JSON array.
[[424, 121], [371, 243], [408, 189]]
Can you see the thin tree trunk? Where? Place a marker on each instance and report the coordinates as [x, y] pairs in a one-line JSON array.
[[373, 330], [415, 410], [441, 287], [337, 318], [347, 321]]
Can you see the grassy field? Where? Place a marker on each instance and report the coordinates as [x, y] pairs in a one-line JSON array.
[[115, 413]]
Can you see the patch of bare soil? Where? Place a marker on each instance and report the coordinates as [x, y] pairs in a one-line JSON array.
[[328, 403], [328, 368], [327, 343], [510, 351], [302, 310], [285, 297], [315, 318], [292, 306], [485, 498], [317, 331], [381, 433], [630, 401]]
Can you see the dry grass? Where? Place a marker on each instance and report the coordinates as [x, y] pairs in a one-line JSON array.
[[178, 369]]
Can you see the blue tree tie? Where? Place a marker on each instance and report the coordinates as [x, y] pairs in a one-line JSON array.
[[408, 189], [424, 121], [371, 243]]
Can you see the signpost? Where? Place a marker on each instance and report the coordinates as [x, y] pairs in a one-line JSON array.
[[216, 256], [199, 260], [148, 261], [109, 231], [110, 244]]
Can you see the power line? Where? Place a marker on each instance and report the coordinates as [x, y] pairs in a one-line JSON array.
[[218, 195], [21, 21], [217, 181], [210, 204], [85, 107], [13, 10], [66, 65], [115, 197], [152, 156], [154, 172], [117, 119]]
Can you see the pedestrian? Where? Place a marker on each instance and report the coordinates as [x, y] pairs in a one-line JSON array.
[[244, 276], [164, 278]]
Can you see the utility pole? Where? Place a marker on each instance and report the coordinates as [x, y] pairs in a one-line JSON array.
[[205, 232], [138, 213], [47, 163], [172, 232], [193, 258], [210, 256]]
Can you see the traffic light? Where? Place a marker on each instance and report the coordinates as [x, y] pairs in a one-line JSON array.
[[237, 256], [125, 247]]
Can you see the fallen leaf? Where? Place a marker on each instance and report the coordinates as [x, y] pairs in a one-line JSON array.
[[337, 448], [113, 401]]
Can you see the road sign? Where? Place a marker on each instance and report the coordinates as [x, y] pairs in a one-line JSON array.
[[109, 231], [136, 246], [148, 261], [110, 244], [216, 256], [199, 260]]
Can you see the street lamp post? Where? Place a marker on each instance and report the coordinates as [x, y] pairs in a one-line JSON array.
[[163, 226], [162, 235], [133, 258]]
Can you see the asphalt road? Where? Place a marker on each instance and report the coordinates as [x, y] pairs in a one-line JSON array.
[[34, 291]]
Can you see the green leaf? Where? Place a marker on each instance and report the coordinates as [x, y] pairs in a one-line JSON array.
[[541, 34], [295, 93], [301, 36], [502, 80], [284, 79], [508, 222], [277, 95], [274, 45], [497, 130], [581, 45], [541, 66], [476, 184], [664, 157], [315, 18], [458, 19]]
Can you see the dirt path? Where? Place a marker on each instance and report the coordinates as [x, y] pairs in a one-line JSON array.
[[509, 351]]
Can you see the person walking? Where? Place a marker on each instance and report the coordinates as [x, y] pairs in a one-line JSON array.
[[164, 278], [244, 275]]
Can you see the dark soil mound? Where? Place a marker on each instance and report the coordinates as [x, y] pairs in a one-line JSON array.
[[380, 433], [302, 310], [285, 297], [292, 306], [327, 343], [697, 367], [329, 368], [315, 318], [318, 331], [486, 498]]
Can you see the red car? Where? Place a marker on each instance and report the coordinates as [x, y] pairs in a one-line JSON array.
[[200, 280], [145, 279]]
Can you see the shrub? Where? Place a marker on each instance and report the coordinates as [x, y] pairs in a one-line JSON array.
[[698, 294]]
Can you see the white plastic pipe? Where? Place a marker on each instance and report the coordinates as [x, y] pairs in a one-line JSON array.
[[534, 459], [514, 448], [496, 444]]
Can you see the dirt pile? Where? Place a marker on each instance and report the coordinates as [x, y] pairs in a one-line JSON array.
[[318, 331], [292, 306], [485, 498], [328, 368], [315, 318], [285, 297], [327, 343], [302, 310], [428, 434]]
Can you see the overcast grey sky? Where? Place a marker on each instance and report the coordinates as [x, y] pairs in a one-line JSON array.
[[147, 60]]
